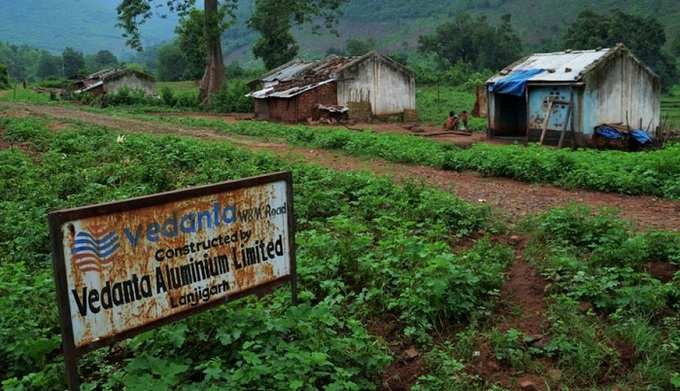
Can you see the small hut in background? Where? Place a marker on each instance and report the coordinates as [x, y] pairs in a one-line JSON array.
[[567, 95], [110, 81], [359, 88]]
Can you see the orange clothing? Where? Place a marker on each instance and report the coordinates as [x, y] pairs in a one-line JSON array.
[[451, 123]]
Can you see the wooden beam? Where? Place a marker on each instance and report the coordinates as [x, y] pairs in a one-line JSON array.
[[546, 121], [566, 125]]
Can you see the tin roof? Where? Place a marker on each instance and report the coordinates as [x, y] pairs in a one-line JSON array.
[[114, 73], [569, 66], [298, 76], [98, 78]]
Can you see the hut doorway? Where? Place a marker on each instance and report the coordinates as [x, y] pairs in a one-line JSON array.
[[510, 116]]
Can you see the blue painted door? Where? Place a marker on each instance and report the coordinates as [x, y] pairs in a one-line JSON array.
[[539, 101]]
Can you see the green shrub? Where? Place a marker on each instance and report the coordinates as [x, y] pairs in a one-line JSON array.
[[4, 77], [654, 172], [232, 98], [168, 97], [127, 96]]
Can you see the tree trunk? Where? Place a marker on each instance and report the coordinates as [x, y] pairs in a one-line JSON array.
[[214, 69]]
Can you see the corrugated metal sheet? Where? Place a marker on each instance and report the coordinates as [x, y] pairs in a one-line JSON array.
[[298, 77], [270, 92], [560, 66], [286, 72]]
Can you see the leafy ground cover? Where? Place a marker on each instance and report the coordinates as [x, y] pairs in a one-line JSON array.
[[614, 299], [655, 172], [369, 253], [670, 108], [365, 246]]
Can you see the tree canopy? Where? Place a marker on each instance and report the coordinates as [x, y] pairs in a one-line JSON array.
[[644, 36], [4, 77], [104, 59], [474, 42], [49, 66], [359, 47], [170, 63], [273, 19], [74, 63], [191, 40]]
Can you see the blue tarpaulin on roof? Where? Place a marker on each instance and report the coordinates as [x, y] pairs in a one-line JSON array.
[[515, 83]]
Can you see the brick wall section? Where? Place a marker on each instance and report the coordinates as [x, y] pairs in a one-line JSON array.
[[301, 107], [326, 95]]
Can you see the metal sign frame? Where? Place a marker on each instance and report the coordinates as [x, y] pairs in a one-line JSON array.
[[58, 218]]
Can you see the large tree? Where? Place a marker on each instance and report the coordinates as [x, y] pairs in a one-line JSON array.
[[675, 46], [133, 13], [49, 66], [282, 13], [359, 47], [474, 42], [644, 36], [104, 59], [74, 63], [170, 63], [4, 77], [191, 41], [273, 19]]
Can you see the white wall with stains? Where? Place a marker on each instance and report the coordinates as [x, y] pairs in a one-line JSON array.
[[622, 91], [387, 88], [132, 82]]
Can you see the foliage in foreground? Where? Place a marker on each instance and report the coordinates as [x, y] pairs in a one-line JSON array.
[[613, 317], [655, 172], [365, 247]]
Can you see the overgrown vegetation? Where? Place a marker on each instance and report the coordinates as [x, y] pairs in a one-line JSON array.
[[4, 77], [365, 247], [473, 41], [615, 297], [655, 172]]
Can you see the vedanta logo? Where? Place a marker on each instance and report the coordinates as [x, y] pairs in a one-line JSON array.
[[92, 250], [188, 223]]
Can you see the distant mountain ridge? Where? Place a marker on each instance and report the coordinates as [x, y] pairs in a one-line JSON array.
[[89, 25]]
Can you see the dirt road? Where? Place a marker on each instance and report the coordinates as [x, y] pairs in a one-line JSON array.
[[513, 198]]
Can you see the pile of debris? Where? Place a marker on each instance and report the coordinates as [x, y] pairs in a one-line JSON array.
[[329, 114]]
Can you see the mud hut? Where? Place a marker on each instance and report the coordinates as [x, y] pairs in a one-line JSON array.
[[110, 81], [365, 88], [569, 94]]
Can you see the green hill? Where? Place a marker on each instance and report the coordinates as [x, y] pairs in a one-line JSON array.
[[541, 23], [90, 24]]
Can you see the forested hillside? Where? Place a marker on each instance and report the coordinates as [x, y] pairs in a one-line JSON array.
[[90, 26], [396, 23]]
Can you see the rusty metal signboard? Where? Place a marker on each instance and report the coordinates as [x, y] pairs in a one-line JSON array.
[[125, 267]]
